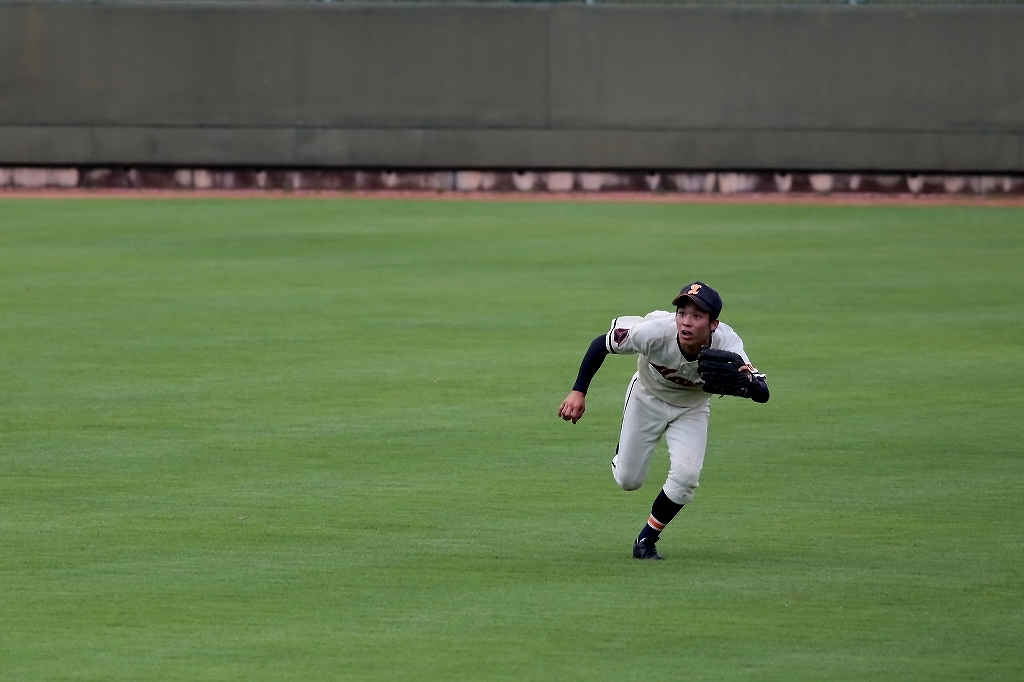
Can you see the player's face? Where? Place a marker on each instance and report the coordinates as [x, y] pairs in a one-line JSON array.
[[694, 327]]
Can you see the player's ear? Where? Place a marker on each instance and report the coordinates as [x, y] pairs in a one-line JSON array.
[[714, 325]]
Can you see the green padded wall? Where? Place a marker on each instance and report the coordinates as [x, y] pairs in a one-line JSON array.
[[512, 86]]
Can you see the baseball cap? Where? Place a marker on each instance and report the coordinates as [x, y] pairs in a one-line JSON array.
[[706, 298]]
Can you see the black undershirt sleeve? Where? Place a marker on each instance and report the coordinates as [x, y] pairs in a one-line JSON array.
[[758, 392], [592, 362]]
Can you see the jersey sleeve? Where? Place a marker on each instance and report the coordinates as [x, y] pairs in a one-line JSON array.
[[628, 335], [726, 339]]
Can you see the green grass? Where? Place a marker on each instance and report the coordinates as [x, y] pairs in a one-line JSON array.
[[316, 440]]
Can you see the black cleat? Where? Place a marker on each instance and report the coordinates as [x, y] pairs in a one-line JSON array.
[[642, 550]]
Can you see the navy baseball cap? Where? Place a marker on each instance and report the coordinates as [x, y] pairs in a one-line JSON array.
[[706, 298]]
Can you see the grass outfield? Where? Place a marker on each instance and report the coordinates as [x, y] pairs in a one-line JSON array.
[[316, 440]]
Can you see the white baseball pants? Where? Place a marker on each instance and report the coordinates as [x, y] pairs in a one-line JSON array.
[[645, 419]]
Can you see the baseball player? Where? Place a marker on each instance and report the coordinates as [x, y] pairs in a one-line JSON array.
[[685, 357]]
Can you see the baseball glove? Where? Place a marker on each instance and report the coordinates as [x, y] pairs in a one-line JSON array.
[[721, 375]]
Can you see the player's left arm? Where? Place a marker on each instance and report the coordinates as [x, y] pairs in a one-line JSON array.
[[757, 388]]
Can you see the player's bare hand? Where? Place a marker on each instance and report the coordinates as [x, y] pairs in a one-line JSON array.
[[573, 407]]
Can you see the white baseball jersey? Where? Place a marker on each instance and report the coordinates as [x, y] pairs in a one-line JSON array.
[[662, 368]]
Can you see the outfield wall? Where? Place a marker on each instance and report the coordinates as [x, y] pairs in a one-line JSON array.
[[507, 86]]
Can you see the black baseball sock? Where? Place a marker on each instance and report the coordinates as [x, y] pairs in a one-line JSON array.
[[662, 511]]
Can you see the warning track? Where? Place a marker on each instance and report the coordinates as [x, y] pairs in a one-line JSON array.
[[756, 198]]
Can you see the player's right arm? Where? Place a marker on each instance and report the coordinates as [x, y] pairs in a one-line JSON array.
[[575, 404], [627, 335]]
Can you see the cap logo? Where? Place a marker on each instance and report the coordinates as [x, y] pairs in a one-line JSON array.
[[694, 290]]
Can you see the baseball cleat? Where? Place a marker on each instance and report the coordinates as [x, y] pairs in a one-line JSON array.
[[642, 550]]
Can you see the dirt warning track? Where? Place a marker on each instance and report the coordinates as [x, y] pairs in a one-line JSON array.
[[768, 198]]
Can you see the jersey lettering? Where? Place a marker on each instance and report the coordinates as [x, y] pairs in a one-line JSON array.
[[669, 374]]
